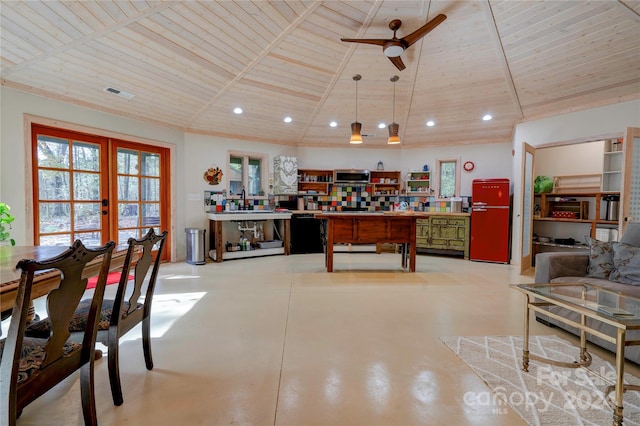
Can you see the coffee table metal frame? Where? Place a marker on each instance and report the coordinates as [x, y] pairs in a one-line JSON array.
[[539, 296]]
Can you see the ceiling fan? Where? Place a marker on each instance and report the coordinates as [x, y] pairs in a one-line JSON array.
[[394, 47]]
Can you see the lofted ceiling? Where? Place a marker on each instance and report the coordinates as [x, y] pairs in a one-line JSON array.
[[190, 63]]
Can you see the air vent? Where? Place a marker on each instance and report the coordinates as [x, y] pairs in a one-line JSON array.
[[120, 93], [368, 135]]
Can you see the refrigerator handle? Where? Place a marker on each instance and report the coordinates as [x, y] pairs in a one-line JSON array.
[[478, 209], [478, 203]]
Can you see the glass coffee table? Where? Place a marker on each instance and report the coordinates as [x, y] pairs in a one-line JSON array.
[[620, 311]]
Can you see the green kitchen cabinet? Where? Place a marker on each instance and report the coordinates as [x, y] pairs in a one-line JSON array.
[[444, 232]]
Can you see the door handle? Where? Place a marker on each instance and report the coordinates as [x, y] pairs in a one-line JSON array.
[[104, 212], [105, 202]]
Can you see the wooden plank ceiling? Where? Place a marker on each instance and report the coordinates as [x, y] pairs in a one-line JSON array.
[[190, 63]]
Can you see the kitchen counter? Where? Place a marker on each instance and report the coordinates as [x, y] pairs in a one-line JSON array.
[[372, 228], [248, 215], [399, 212], [281, 225]]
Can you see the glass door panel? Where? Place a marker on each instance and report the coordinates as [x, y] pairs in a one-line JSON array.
[[68, 188], [140, 190], [526, 236]]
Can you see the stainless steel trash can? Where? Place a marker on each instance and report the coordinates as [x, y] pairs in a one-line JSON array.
[[195, 246]]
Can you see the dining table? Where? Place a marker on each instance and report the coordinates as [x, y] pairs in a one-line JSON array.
[[44, 281]]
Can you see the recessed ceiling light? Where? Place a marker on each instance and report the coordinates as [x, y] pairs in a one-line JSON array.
[[487, 117], [431, 123], [237, 110], [381, 126], [333, 124], [288, 119]]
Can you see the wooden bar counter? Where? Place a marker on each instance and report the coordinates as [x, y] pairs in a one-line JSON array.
[[371, 228]]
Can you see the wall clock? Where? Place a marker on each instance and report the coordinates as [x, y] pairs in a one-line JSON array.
[[468, 166]]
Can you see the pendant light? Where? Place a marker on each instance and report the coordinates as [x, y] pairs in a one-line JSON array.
[[356, 128], [394, 127]]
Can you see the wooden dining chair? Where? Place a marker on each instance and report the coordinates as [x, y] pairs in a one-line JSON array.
[[128, 301], [133, 309], [29, 367]]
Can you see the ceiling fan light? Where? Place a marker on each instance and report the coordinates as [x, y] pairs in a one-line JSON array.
[[356, 137], [393, 134], [393, 50]]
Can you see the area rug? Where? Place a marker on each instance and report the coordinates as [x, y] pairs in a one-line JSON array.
[[112, 278], [546, 395]]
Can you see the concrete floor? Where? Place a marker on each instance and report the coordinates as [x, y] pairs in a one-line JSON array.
[[279, 341]]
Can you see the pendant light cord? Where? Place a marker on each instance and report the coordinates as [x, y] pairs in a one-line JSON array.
[[394, 101], [356, 100], [394, 79]]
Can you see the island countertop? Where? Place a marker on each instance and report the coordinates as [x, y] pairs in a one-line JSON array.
[[417, 214], [372, 228]]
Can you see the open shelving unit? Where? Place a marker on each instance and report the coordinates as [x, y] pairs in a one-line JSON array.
[[419, 183], [385, 182], [314, 181], [612, 166], [550, 202]]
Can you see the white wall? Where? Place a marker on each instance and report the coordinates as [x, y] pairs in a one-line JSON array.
[[349, 157], [491, 161], [595, 123], [15, 182]]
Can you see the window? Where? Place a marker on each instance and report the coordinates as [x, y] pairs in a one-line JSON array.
[[449, 174], [246, 172]]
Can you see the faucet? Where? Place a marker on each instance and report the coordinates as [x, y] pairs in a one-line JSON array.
[[243, 196]]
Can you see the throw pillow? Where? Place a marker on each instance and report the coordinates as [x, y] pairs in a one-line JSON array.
[[626, 264], [600, 258]]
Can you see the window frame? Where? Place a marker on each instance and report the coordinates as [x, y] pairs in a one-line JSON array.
[[264, 172], [439, 163]]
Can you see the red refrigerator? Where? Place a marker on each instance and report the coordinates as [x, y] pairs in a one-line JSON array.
[[490, 218]]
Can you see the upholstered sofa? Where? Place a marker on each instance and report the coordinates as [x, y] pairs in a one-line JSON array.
[[615, 266]]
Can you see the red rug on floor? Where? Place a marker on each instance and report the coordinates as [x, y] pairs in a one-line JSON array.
[[112, 278]]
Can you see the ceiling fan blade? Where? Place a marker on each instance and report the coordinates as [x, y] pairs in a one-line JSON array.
[[376, 41], [397, 61], [422, 31]]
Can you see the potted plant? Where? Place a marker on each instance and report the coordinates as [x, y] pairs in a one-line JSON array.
[[5, 224]]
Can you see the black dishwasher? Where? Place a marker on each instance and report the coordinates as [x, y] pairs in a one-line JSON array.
[[305, 234]]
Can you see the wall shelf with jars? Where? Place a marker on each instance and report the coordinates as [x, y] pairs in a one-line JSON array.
[[314, 181], [419, 183], [385, 182]]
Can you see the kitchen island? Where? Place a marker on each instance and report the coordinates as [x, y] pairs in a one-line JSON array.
[[371, 228], [272, 223]]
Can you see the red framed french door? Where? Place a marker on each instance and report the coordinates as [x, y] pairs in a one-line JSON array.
[[95, 188], [70, 184], [139, 189]]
